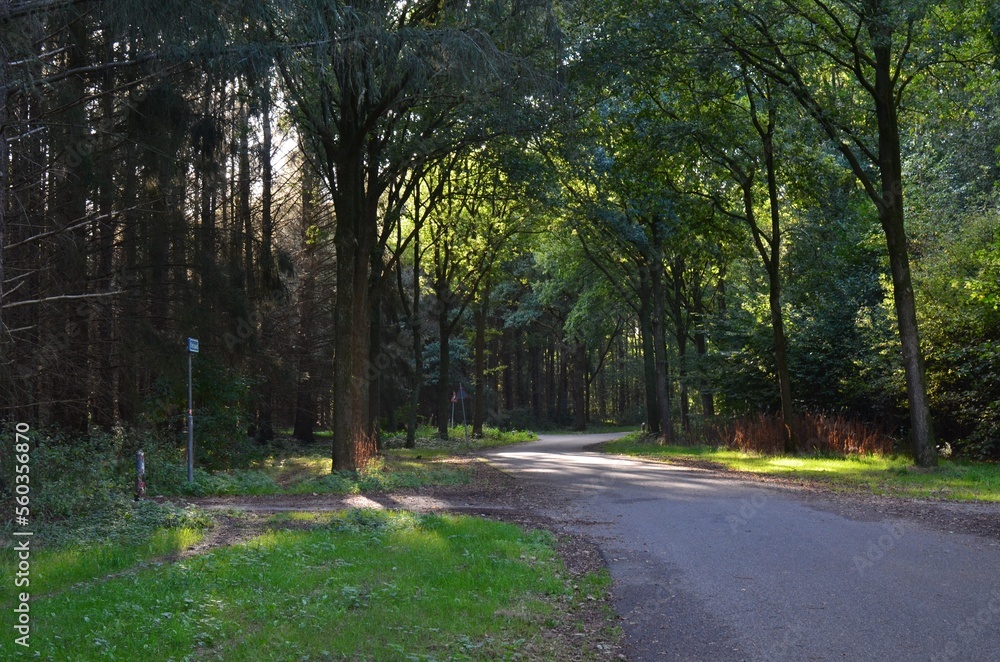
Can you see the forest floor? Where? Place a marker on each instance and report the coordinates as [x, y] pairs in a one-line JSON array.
[[590, 632]]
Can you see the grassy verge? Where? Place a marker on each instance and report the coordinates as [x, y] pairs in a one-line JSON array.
[[362, 585], [67, 552], [309, 470], [893, 475], [596, 428], [427, 439], [292, 468]]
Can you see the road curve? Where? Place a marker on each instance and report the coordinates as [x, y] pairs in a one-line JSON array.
[[708, 568]]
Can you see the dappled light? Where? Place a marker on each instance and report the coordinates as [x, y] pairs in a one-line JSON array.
[[702, 292]]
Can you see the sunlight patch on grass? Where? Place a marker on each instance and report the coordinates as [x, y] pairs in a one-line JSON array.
[[299, 518], [289, 470], [894, 475], [55, 569], [396, 586], [308, 471]]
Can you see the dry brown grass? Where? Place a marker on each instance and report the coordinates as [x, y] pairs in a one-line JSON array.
[[812, 433], [364, 450]]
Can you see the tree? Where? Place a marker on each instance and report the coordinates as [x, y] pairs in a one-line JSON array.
[[380, 88], [810, 48], [469, 233]]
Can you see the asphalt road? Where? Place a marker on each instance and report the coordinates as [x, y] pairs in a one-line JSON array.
[[709, 568]]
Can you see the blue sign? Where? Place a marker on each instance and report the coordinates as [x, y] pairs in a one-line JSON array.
[[193, 345], [462, 395]]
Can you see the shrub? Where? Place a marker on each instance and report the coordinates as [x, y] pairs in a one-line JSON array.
[[71, 476], [221, 419]]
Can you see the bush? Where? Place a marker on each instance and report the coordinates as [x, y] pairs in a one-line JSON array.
[[221, 418], [73, 476]]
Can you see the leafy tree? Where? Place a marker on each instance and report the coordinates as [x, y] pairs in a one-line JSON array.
[[811, 48], [379, 89]]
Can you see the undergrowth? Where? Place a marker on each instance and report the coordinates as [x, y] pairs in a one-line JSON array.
[[811, 432], [427, 437]]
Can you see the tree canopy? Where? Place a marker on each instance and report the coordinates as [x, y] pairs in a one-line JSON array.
[[669, 213]]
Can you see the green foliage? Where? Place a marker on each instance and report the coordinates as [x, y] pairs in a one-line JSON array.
[[960, 296], [308, 471], [427, 438], [71, 477], [221, 413]]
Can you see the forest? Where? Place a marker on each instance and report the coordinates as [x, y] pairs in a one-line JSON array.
[[702, 216]]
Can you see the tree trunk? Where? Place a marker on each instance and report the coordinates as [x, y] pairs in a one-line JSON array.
[[622, 379], [103, 409], [4, 169], [266, 197], [562, 407], [701, 349], [479, 409], [378, 364], [682, 338], [660, 350], [677, 268], [354, 240], [578, 385], [518, 370], [70, 195], [265, 399], [891, 215], [305, 394], [780, 357], [648, 351], [418, 345], [444, 368], [773, 265], [537, 379], [508, 370], [550, 383], [418, 380]]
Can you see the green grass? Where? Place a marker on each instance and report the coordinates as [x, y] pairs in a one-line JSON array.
[[951, 480], [66, 552], [292, 468], [596, 428], [362, 585], [308, 470], [427, 439]]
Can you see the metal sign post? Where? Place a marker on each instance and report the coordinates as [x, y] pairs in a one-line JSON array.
[[140, 475], [192, 350]]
